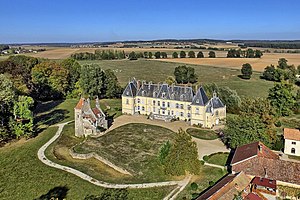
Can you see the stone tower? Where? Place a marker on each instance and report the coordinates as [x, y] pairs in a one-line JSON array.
[[78, 118]]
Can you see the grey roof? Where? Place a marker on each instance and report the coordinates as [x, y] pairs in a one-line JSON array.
[[164, 91], [214, 103], [130, 90], [200, 98]]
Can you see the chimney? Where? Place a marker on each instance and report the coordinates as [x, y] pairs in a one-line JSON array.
[[97, 102], [214, 94], [266, 175], [138, 84]]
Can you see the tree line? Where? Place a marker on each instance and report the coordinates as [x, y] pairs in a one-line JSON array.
[[25, 81], [274, 45], [99, 55], [249, 53]]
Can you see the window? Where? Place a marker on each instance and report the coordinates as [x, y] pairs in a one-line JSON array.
[[163, 95], [143, 108], [172, 112], [177, 105], [181, 106], [153, 102], [197, 111], [158, 103], [154, 110], [138, 108], [181, 114], [163, 112], [188, 115], [127, 101], [217, 113], [293, 150], [138, 100], [143, 93], [163, 104], [168, 104], [197, 101], [293, 142], [189, 107]]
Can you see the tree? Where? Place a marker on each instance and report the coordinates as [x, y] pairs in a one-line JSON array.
[[211, 54], [164, 55], [185, 74], [74, 68], [50, 80], [282, 98], [112, 86], [200, 54], [269, 73], [150, 55], [244, 129], [146, 54], [132, 56], [92, 80], [164, 152], [183, 156], [170, 80], [110, 194], [191, 54], [246, 71], [175, 55], [157, 55], [282, 63], [250, 53], [182, 54], [258, 54]]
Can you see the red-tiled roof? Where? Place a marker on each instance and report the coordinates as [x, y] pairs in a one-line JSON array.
[[227, 187], [80, 103], [291, 134], [251, 150], [264, 182], [252, 196], [96, 111]]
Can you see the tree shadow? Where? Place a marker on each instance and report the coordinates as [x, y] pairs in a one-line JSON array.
[[58, 193], [46, 106]]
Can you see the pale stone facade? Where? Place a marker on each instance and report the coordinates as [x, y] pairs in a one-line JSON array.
[[88, 120], [161, 101], [292, 142]]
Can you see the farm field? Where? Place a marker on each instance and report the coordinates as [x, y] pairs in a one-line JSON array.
[[258, 64], [157, 71]]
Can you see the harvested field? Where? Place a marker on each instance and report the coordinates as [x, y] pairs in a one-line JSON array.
[[58, 53], [258, 64]]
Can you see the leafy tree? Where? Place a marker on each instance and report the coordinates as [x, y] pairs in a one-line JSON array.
[[211, 54], [183, 156], [246, 71], [175, 55], [258, 54], [164, 55], [269, 73], [200, 54], [282, 98], [50, 80], [233, 53], [146, 54], [74, 68], [244, 129], [150, 55], [132, 56], [182, 54], [140, 55], [112, 86], [250, 53], [282, 63], [170, 80], [185, 74], [164, 152], [191, 54], [157, 55], [92, 80]]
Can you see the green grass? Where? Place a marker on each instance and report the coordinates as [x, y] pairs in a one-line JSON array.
[[202, 134], [134, 147], [208, 176], [23, 176], [158, 71], [294, 157], [217, 158]]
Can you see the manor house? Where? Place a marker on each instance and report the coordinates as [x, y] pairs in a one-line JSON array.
[[161, 101]]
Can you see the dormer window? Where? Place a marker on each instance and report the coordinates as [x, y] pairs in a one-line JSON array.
[[182, 97], [143, 93], [127, 93], [154, 94], [163, 95], [197, 101]]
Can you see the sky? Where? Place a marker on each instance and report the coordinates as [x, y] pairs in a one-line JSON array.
[[41, 21]]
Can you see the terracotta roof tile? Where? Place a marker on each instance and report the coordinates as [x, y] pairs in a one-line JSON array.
[[252, 196], [80, 103], [264, 182], [291, 134]]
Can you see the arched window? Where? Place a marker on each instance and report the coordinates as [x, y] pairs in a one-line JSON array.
[[217, 113], [127, 101], [138, 100], [293, 150]]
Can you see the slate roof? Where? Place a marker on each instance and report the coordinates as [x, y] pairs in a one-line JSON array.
[[130, 90], [291, 134], [200, 98], [227, 187], [250, 150]]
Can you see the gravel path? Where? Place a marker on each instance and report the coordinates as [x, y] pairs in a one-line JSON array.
[[46, 161]]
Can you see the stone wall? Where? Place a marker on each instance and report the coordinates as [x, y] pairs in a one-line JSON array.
[[101, 159]]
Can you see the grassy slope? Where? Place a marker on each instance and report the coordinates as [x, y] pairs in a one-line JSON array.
[[202, 134], [217, 158], [134, 147], [157, 71], [28, 178]]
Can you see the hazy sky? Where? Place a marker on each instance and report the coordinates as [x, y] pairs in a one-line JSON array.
[[110, 20]]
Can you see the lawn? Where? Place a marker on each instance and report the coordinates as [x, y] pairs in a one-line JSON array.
[[217, 158], [158, 71], [207, 177], [202, 133], [134, 147], [28, 178]]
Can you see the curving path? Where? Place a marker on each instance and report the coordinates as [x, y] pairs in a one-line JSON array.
[[41, 155]]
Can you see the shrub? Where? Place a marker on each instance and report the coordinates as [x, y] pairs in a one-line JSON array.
[[194, 186]]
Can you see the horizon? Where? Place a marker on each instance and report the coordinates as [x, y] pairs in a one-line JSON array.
[[83, 21]]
